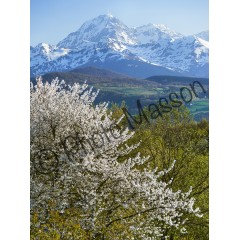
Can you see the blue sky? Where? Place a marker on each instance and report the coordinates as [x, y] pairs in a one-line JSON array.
[[52, 20]]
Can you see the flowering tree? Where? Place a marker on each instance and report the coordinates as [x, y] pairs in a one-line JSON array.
[[79, 161]]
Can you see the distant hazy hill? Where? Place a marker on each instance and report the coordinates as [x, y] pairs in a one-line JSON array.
[[170, 80], [97, 72], [97, 77]]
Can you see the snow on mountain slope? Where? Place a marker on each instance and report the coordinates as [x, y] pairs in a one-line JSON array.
[[204, 35], [105, 41], [155, 33], [179, 55]]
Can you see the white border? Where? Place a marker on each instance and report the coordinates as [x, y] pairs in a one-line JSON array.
[[224, 120], [14, 97]]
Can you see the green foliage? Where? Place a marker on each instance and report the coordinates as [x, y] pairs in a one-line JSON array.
[[177, 136], [57, 226], [173, 136]]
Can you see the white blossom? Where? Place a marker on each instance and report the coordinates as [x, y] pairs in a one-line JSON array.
[[79, 159]]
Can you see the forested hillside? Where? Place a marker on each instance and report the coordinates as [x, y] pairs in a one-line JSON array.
[[116, 88]]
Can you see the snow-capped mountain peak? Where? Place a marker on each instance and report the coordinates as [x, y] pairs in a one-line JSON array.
[[44, 53], [142, 51], [99, 30]]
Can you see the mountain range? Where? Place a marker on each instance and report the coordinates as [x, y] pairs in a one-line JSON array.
[[106, 42]]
